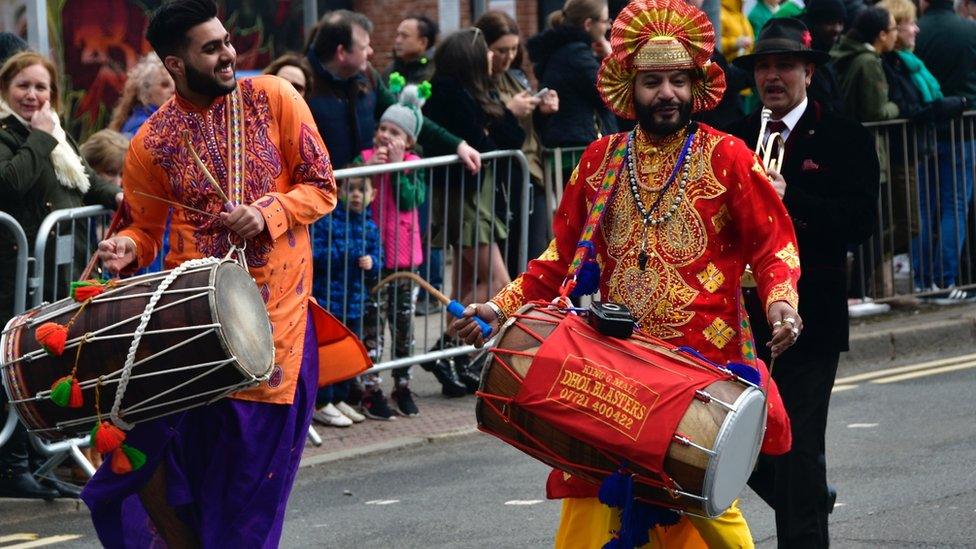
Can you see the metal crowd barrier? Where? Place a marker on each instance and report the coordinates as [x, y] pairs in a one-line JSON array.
[[65, 231], [557, 165], [925, 236], [504, 185], [7, 222]]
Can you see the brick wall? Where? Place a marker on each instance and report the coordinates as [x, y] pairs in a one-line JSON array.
[[387, 14]]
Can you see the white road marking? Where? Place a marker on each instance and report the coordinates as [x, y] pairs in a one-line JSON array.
[[862, 425], [841, 388], [41, 542], [18, 537], [930, 372], [382, 501], [904, 369], [523, 502], [836, 505]]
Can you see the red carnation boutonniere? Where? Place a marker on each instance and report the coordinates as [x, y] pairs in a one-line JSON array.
[[806, 39]]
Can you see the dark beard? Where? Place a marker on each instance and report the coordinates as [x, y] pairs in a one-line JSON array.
[[645, 117], [207, 85]]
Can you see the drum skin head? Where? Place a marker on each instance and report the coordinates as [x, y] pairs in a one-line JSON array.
[[737, 444], [244, 325]]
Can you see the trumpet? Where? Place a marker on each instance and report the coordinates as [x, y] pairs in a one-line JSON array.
[[774, 144]]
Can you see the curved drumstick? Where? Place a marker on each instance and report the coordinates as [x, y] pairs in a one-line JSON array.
[[453, 307]]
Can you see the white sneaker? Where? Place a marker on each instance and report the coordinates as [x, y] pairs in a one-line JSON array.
[[350, 412], [329, 415]]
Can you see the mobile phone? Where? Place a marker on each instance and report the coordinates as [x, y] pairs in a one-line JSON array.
[[540, 93]]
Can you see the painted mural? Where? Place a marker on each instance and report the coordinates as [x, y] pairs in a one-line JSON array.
[[98, 40]]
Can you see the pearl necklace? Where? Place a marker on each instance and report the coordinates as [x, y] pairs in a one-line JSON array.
[[647, 216]]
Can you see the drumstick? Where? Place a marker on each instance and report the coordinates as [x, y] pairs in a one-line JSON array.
[[228, 205], [453, 307], [174, 203], [112, 227]]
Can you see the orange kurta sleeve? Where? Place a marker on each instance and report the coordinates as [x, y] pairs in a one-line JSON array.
[[144, 218], [311, 191]]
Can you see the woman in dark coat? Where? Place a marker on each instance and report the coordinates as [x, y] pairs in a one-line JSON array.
[[566, 58], [40, 169], [464, 215]]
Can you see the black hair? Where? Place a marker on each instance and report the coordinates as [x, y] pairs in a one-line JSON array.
[[426, 28], [869, 24], [335, 29], [170, 22], [463, 56]]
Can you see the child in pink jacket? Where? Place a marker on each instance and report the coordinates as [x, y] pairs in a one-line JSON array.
[[396, 199]]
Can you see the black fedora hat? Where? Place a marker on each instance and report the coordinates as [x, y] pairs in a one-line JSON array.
[[783, 36]]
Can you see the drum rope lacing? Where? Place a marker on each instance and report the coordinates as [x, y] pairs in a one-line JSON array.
[[141, 328]]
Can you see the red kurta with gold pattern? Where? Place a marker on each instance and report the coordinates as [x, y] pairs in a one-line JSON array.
[[689, 293], [286, 175]]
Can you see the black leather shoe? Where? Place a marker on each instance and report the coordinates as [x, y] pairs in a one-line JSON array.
[[451, 386], [64, 489], [831, 498], [24, 486]]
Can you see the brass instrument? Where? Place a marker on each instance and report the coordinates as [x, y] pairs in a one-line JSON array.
[[773, 144]]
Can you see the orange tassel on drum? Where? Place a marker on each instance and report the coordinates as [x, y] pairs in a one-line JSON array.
[[126, 459], [106, 437], [52, 337], [77, 400], [83, 290]]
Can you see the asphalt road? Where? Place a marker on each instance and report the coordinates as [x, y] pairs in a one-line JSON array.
[[901, 455]]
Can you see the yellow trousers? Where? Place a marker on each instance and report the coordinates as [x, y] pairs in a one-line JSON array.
[[585, 523]]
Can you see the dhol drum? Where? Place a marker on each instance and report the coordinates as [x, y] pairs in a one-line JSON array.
[[688, 431], [171, 340]]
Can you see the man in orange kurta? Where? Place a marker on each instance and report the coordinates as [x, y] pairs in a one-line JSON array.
[[689, 208], [221, 475]]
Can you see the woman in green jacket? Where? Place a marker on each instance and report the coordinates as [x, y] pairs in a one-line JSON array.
[[857, 62], [40, 169]]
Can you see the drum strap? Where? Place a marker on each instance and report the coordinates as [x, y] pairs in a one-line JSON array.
[[586, 282]]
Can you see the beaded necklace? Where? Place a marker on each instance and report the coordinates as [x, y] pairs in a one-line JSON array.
[[648, 215]]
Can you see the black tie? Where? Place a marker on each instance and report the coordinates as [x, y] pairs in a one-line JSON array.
[[774, 126]]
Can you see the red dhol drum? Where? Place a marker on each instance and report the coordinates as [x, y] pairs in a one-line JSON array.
[[588, 404], [207, 335]]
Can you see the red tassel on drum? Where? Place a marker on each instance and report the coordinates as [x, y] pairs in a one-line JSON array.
[[85, 291], [77, 400], [120, 462], [52, 337], [126, 459], [106, 437]]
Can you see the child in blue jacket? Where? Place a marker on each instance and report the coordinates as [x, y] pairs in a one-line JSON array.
[[347, 257]]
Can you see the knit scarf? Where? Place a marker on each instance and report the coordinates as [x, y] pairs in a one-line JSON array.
[[68, 166], [927, 85]]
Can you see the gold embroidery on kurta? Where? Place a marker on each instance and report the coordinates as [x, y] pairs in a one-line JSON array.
[[721, 219], [551, 253], [711, 278], [719, 333], [784, 291], [789, 256], [511, 298]]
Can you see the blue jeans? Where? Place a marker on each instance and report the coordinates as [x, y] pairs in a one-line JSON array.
[[944, 206]]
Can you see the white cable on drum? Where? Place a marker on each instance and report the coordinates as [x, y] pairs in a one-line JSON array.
[[137, 336]]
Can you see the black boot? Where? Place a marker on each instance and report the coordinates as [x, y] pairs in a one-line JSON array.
[[15, 478], [24, 485], [469, 371], [451, 387]]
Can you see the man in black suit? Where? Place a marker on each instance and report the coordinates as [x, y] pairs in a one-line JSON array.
[[829, 184]]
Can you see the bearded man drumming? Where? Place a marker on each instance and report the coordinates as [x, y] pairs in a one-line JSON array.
[[690, 207]]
